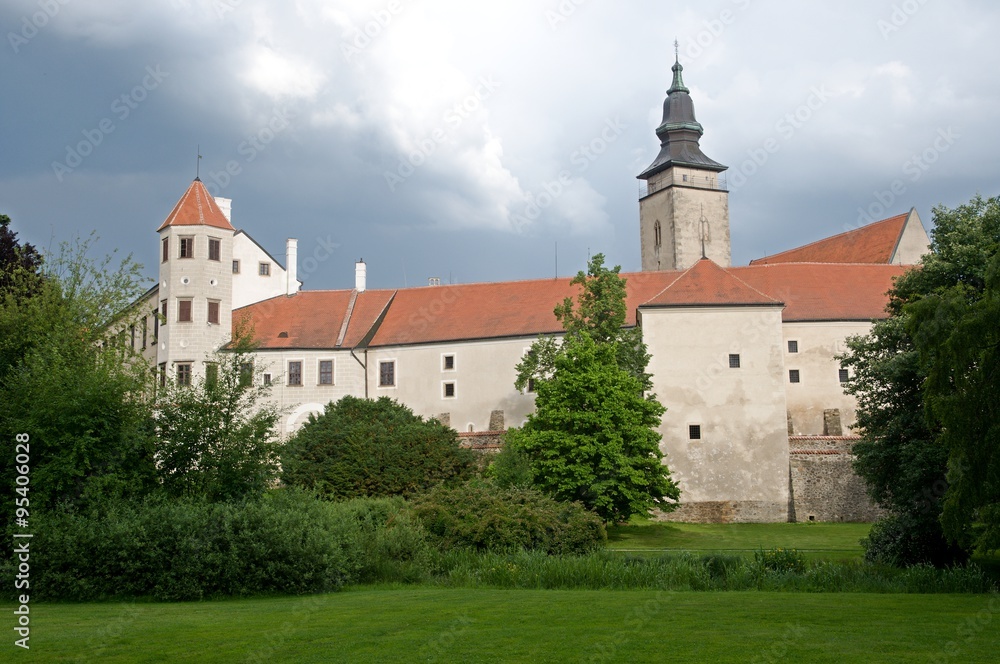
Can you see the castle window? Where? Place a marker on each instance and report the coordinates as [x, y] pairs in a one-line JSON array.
[[387, 374], [166, 249], [184, 373], [734, 361], [163, 374], [213, 312], [145, 330], [183, 311], [214, 249], [449, 390], [531, 385], [131, 332], [264, 270], [187, 247], [236, 267], [156, 325], [326, 372], [163, 311], [845, 376], [656, 233], [448, 362], [694, 431], [295, 373], [267, 379], [793, 346], [793, 375]]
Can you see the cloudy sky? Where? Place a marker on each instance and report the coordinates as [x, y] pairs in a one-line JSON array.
[[467, 140]]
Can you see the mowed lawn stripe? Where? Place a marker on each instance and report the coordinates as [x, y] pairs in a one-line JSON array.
[[451, 625]]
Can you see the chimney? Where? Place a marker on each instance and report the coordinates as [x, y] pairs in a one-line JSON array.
[[360, 275], [226, 205], [291, 266]]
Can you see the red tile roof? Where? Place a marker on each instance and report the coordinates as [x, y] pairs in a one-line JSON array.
[[874, 243], [706, 283], [431, 314], [196, 208]]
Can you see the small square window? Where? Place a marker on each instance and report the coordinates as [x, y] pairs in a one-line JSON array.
[[449, 362], [793, 375], [236, 267], [267, 379], [166, 249], [734, 361], [449, 390], [213, 312], [214, 249], [183, 311], [694, 431], [387, 374], [184, 373], [844, 376], [326, 372], [187, 247], [294, 373], [264, 270], [531, 385], [793, 346]]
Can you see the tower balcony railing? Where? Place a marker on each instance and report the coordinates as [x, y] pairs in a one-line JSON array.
[[716, 182]]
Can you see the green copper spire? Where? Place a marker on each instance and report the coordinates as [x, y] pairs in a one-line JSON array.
[[678, 84]]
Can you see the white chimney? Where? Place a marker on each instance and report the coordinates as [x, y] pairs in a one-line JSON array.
[[360, 275], [291, 266], [226, 205]]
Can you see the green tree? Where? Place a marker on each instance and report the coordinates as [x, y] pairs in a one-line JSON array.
[[82, 400], [359, 447], [593, 435], [917, 460], [18, 263], [218, 439]]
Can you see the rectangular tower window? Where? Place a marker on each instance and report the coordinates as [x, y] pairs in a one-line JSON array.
[[449, 390], [734, 361], [236, 267], [387, 374], [166, 249], [214, 249], [793, 375], [187, 247], [183, 311], [326, 372], [694, 431], [163, 311], [213, 312], [844, 376], [793, 346], [295, 373], [184, 373]]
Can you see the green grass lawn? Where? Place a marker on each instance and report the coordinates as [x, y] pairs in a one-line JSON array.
[[831, 541], [440, 625]]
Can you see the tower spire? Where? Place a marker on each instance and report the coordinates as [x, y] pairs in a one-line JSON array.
[[197, 168], [678, 83]]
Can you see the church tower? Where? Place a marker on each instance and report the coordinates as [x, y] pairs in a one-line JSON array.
[[684, 212], [196, 285]]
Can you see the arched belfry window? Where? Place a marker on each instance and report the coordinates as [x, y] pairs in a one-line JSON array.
[[656, 233]]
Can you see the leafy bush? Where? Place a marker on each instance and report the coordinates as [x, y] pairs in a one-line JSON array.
[[904, 540], [288, 542], [487, 518], [359, 447], [780, 560]]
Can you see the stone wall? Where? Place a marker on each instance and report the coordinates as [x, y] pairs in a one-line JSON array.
[[824, 486], [727, 511]]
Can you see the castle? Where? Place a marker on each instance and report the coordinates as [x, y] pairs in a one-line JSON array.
[[743, 358]]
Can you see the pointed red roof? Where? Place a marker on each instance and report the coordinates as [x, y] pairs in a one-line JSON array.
[[196, 208], [707, 284], [874, 243]]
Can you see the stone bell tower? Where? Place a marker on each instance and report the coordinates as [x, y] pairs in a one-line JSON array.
[[684, 211]]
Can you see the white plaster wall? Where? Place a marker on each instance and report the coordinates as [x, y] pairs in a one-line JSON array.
[[743, 452], [248, 285], [913, 243], [819, 388], [484, 380]]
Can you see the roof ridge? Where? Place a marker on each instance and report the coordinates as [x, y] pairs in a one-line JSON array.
[[754, 289], [831, 237]]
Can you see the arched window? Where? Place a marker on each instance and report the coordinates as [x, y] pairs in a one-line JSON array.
[[656, 233]]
